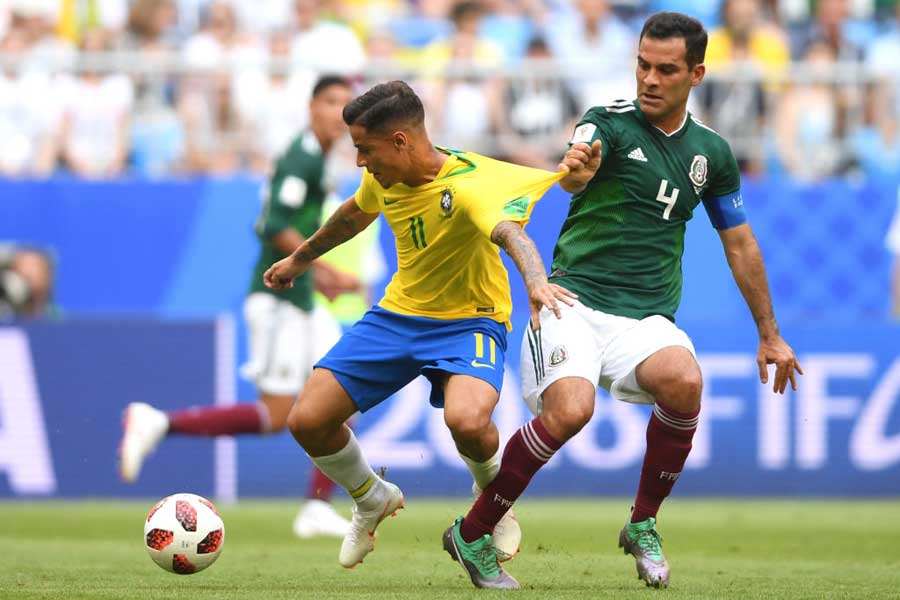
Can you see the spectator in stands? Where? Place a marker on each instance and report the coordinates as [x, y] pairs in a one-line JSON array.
[[893, 245], [96, 112], [745, 36], [29, 115], [462, 65], [46, 50], [828, 26], [809, 120], [428, 21], [151, 27], [537, 111], [881, 61], [732, 104], [219, 53], [271, 102], [322, 45], [26, 282], [221, 42], [877, 143], [593, 40], [157, 135], [511, 24]]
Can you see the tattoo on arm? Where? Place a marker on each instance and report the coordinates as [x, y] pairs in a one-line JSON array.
[[345, 223], [512, 237]]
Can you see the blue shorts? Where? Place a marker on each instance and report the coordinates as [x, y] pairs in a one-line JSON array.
[[384, 351]]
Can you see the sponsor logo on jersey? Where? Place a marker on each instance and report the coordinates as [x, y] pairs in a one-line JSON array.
[[558, 356], [699, 171], [446, 201], [637, 154], [584, 133], [389, 201], [484, 309]]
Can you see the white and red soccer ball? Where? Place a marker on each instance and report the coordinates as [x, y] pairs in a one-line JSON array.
[[184, 533]]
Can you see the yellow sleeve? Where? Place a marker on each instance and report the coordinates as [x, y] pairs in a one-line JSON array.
[[366, 197], [510, 197]]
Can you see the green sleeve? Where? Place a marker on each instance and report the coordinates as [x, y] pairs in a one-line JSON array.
[[725, 177], [288, 189]]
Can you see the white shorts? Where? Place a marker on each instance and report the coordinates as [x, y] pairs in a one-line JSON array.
[[605, 349], [285, 342]]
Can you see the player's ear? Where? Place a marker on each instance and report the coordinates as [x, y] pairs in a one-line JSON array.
[[400, 140], [697, 74]]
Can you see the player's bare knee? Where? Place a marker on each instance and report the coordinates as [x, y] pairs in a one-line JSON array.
[[305, 425], [468, 427], [564, 419], [681, 392]]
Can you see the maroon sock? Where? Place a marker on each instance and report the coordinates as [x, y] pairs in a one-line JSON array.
[[527, 450], [669, 436], [320, 486], [217, 420]]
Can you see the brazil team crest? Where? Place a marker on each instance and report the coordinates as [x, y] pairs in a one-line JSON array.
[[699, 171], [446, 201]]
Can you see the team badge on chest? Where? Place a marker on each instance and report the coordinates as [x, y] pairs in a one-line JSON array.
[[446, 202], [699, 172]]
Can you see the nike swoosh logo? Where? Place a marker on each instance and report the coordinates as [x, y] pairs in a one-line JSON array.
[[389, 202], [475, 363]]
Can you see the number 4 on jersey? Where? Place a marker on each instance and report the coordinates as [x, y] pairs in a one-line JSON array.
[[669, 201]]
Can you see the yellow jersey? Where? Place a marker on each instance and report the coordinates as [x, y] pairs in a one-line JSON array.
[[447, 266]]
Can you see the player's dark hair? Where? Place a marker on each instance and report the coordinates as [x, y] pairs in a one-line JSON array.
[[326, 81], [384, 105], [665, 25]]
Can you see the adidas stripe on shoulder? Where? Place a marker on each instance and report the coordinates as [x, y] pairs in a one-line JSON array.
[[619, 106]]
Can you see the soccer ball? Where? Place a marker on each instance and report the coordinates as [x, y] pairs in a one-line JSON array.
[[184, 533]]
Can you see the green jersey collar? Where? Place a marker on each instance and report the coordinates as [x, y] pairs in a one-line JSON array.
[[460, 155], [675, 134]]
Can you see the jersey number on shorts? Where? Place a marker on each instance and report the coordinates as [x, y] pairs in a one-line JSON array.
[[417, 231], [479, 351], [669, 201]]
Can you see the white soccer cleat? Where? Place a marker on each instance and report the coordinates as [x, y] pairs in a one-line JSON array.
[[145, 427], [360, 540], [507, 534], [318, 518]]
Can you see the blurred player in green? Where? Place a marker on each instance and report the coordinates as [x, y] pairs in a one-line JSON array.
[[287, 331], [637, 171]]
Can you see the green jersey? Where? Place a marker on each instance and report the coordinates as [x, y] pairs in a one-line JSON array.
[[292, 198], [621, 244]]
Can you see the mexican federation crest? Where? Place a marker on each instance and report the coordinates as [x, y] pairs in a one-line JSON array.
[[699, 171], [446, 201]]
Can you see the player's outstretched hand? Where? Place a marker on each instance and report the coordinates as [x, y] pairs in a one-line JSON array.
[[281, 275], [776, 351], [581, 163], [548, 295]]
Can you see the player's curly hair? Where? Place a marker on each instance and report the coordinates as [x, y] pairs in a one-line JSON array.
[[384, 105], [665, 25]]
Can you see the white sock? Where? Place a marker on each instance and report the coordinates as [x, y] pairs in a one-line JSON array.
[[348, 468], [483, 472]]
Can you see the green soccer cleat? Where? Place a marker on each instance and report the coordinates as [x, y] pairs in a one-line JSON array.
[[644, 543], [478, 558]]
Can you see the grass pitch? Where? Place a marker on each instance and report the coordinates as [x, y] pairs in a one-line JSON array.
[[717, 549]]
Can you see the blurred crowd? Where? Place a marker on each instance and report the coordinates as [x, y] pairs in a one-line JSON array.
[[105, 88]]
